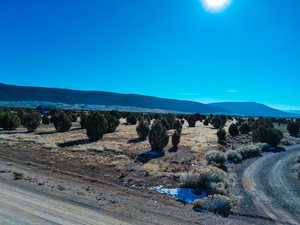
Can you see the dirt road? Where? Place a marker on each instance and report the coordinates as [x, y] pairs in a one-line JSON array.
[[273, 187], [19, 206]]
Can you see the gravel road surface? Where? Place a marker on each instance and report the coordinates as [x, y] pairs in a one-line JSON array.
[[23, 207], [273, 186]]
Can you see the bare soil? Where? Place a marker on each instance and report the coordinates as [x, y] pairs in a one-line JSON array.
[[113, 173]]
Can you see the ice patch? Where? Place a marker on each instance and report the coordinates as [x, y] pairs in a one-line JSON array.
[[187, 195]]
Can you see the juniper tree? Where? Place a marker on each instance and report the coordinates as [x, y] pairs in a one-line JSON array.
[[83, 120], [112, 123], [221, 134], [191, 121], [293, 128], [218, 122], [206, 122], [9, 121], [267, 135], [158, 137], [143, 129], [45, 119], [61, 121], [177, 126], [245, 128], [96, 126], [31, 120], [233, 130], [131, 119], [176, 138]]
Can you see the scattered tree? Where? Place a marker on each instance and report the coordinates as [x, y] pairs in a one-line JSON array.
[[191, 121], [293, 128], [218, 122], [245, 128], [176, 139], [233, 130], [158, 137], [96, 126], [112, 123], [61, 121], [178, 126], [83, 120], [171, 119], [9, 121], [31, 120], [206, 122], [45, 119], [131, 119], [270, 136], [221, 136], [143, 129]]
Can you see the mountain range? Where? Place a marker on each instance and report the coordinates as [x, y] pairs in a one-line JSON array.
[[13, 93]]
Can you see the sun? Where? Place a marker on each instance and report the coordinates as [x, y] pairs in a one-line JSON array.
[[215, 5]]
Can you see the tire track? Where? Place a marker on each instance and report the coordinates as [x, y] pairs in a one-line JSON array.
[[273, 189]]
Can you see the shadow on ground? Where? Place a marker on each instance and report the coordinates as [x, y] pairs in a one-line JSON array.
[[173, 149], [147, 156], [76, 128], [135, 140], [268, 148], [46, 132], [13, 132], [73, 143]]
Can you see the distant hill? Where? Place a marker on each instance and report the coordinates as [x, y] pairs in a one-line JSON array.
[[66, 96], [252, 109], [11, 95], [293, 111]]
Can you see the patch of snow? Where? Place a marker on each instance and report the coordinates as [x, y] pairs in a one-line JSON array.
[[187, 195]]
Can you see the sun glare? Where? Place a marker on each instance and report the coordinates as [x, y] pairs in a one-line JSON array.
[[215, 5]]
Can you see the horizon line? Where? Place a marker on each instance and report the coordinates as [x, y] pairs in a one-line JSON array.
[[281, 107]]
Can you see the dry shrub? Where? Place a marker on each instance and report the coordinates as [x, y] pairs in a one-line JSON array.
[[234, 156], [218, 204], [216, 158], [210, 179], [250, 151], [288, 141]]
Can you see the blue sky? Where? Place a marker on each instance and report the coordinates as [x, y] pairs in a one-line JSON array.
[[166, 48]]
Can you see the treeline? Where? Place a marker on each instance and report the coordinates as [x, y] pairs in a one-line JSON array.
[[151, 126]]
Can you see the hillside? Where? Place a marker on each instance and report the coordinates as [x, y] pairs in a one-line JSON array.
[[21, 93], [251, 109], [128, 102]]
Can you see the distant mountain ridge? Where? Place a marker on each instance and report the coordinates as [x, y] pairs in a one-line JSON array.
[[22, 93], [13, 93], [293, 111], [252, 109]]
